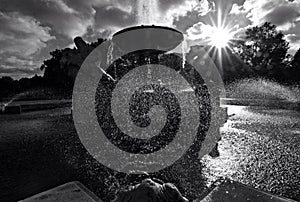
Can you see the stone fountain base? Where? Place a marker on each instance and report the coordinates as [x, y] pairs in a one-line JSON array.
[[228, 191]]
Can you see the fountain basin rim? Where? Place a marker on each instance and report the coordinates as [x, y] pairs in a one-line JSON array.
[[147, 27]]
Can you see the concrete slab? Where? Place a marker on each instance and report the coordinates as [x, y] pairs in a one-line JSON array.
[[72, 191], [231, 191]]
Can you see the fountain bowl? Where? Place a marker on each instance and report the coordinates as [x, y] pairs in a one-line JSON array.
[[148, 37]]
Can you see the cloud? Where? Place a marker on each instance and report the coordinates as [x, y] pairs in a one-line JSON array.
[[236, 10], [107, 17], [56, 14], [289, 12], [22, 35], [193, 14], [29, 27], [230, 11], [199, 31], [21, 38], [18, 71], [161, 12], [4, 69], [238, 15], [293, 37], [73, 17], [278, 12], [283, 13]]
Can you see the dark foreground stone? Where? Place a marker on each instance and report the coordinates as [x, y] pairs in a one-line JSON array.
[[151, 191]]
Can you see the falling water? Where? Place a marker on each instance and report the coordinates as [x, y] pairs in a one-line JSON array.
[[110, 59], [12, 100], [109, 56], [104, 72], [146, 11], [149, 73], [183, 51], [264, 89], [9, 102]]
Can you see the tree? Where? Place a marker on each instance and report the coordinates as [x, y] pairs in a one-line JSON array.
[[296, 66], [264, 49], [6, 86], [296, 60], [53, 74], [61, 69]]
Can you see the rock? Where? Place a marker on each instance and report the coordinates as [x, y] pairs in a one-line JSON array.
[[151, 191]]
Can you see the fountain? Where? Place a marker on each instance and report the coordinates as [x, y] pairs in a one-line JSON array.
[[151, 39], [145, 101]]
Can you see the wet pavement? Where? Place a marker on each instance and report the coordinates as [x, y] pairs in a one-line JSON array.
[[259, 147]]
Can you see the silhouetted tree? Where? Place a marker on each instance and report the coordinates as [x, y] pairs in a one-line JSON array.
[[295, 64], [264, 49], [6, 86], [53, 73], [61, 69], [10, 87], [296, 60]]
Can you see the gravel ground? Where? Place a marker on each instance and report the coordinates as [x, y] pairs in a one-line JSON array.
[[259, 147]]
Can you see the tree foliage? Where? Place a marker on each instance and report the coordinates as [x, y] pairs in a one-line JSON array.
[[295, 67], [264, 50], [53, 73], [296, 61], [61, 68]]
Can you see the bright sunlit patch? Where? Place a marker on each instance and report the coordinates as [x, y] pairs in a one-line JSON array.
[[220, 37], [218, 33]]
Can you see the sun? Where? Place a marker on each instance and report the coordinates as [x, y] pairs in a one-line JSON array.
[[220, 37]]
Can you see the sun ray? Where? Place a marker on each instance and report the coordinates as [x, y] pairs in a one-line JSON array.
[[220, 37]]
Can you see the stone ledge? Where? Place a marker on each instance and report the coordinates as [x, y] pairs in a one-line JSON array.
[[72, 191], [231, 191]]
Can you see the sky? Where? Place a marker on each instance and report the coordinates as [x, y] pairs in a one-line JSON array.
[[30, 29]]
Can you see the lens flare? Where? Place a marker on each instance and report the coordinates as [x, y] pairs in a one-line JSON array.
[[220, 37]]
